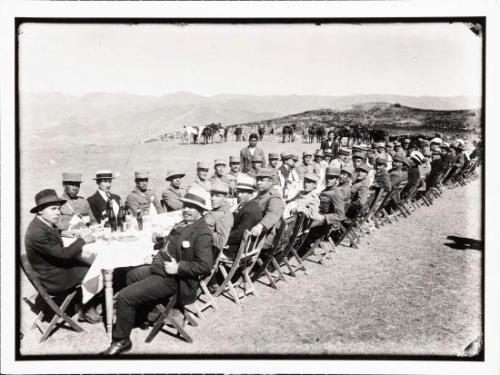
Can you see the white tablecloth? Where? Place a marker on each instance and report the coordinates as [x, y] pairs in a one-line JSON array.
[[112, 254]]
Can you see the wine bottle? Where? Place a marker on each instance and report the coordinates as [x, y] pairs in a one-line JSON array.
[[112, 220], [139, 219], [122, 220]]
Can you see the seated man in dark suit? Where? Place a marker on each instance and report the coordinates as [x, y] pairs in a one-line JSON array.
[[178, 267], [59, 268], [99, 201], [247, 214]]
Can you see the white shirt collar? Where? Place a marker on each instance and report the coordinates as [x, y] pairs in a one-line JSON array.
[[103, 194]]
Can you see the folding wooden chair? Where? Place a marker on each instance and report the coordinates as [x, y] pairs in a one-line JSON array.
[[238, 276], [169, 316], [50, 304], [325, 242], [285, 236], [205, 299], [303, 227]]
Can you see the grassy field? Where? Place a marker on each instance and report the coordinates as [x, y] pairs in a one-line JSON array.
[[407, 290]]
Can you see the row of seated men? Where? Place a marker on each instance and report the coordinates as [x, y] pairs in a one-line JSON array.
[[325, 192]]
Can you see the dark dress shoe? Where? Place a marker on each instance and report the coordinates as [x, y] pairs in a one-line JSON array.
[[117, 347], [145, 325], [90, 318]]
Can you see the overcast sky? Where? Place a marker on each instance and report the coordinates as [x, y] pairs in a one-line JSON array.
[[407, 59]]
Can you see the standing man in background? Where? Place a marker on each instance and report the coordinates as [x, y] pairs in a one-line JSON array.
[[248, 153]]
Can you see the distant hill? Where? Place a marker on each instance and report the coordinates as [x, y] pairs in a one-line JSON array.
[[104, 118], [379, 115]]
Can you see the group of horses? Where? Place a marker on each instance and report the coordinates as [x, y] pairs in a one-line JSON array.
[[204, 133]]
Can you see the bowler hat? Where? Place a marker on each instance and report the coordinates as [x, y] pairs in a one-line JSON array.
[[171, 175], [219, 187], [103, 174], [45, 198], [197, 196], [71, 177], [202, 165], [245, 182], [141, 175]]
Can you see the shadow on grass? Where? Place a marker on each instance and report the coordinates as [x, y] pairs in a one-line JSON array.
[[462, 243]]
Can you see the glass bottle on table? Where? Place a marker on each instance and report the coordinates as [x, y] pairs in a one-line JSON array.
[[139, 219], [121, 219]]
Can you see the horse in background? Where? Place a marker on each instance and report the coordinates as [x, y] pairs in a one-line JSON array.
[[287, 133], [190, 133], [208, 132], [238, 131]]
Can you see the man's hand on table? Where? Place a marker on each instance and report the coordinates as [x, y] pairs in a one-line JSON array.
[[171, 267]]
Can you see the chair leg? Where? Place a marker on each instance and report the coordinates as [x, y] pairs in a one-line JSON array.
[[161, 319], [291, 272], [229, 285], [300, 264], [180, 329], [281, 276], [60, 313]]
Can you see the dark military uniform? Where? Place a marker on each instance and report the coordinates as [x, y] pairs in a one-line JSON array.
[[171, 199], [141, 200], [359, 197], [382, 180], [272, 206], [331, 205]]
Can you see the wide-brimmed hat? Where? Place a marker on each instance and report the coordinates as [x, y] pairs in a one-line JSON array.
[[104, 174], [234, 160], [202, 165], [45, 198], [219, 162], [219, 187], [417, 157], [273, 155], [72, 177], [171, 175], [197, 196], [311, 177], [245, 182], [142, 175], [331, 171]]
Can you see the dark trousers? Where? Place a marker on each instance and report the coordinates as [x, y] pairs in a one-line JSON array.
[[143, 287], [72, 277]]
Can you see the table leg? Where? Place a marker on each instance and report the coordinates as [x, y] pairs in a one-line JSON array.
[[108, 296]]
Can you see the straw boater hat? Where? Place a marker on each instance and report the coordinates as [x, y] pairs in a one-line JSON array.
[[103, 174], [234, 160], [72, 177], [142, 175], [219, 187], [197, 196], [46, 198], [171, 175], [245, 182]]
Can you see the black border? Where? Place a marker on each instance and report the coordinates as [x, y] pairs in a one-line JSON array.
[[313, 20]]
